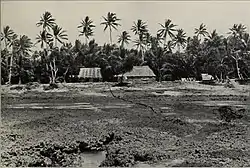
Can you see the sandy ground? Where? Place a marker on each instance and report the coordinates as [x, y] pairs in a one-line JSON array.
[[84, 125]]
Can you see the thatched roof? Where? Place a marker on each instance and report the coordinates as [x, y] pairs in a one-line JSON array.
[[93, 73], [140, 71]]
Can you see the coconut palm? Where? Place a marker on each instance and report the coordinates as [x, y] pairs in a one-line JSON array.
[[46, 21], [180, 39], [9, 38], [124, 38], [140, 44], [23, 48], [7, 35], [12, 44], [87, 28], [43, 38], [139, 28], [237, 30], [201, 31], [214, 40], [110, 22], [235, 40], [167, 30], [59, 35]]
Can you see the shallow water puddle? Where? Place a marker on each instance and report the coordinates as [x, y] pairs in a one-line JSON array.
[[93, 159]]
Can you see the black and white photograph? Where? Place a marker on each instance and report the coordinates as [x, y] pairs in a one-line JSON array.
[[125, 83]]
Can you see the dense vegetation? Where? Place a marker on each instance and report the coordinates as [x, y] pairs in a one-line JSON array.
[[170, 54]]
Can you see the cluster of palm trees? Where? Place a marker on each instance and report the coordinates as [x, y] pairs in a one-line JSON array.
[[203, 53]]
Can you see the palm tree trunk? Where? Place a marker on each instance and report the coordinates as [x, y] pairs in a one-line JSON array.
[[178, 48], [237, 68], [10, 74], [20, 68], [159, 74], [165, 40], [54, 71], [110, 35], [64, 75], [86, 40]]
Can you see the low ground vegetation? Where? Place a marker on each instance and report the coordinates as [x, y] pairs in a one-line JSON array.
[[202, 125]]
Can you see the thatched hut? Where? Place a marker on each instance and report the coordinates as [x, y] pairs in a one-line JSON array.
[[90, 74], [139, 72]]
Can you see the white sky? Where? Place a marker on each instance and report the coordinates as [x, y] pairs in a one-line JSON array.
[[22, 16]]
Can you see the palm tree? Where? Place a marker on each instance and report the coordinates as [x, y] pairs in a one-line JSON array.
[[43, 38], [140, 46], [236, 40], [124, 38], [46, 21], [7, 35], [9, 38], [214, 40], [140, 28], [167, 30], [23, 46], [180, 39], [237, 30], [87, 28], [59, 35], [201, 31], [12, 44], [111, 22]]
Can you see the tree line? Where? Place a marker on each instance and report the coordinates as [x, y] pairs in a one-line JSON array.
[[170, 53]]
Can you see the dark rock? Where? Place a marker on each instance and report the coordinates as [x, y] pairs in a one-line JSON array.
[[228, 113], [83, 146]]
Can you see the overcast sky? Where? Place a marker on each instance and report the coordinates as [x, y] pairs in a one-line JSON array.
[[23, 15]]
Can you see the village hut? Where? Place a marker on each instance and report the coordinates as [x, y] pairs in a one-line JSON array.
[[139, 72], [90, 74], [207, 79]]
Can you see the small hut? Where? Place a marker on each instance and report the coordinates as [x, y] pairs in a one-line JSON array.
[[139, 72], [207, 79], [90, 74]]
